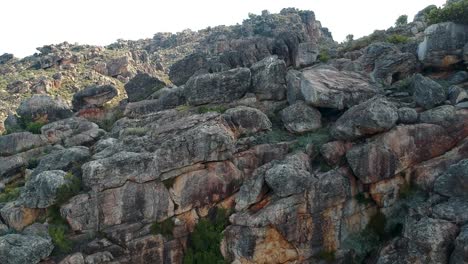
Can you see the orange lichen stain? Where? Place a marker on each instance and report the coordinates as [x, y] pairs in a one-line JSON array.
[[274, 249]]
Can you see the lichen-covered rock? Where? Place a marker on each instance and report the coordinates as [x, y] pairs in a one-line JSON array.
[[17, 216], [443, 44], [41, 191], [73, 131], [329, 88], [454, 210], [427, 93], [333, 152], [300, 118], [167, 100], [93, 96], [80, 213], [460, 253], [407, 115], [142, 86], [219, 87], [371, 117], [76, 258], [18, 142], [443, 115], [65, 159], [454, 182], [11, 166], [247, 120], [456, 94], [268, 79], [43, 108], [21, 249], [393, 67]]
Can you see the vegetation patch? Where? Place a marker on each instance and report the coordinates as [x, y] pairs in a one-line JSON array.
[[324, 56], [11, 193], [62, 244], [68, 190], [164, 228], [204, 242], [398, 39], [362, 198], [316, 138], [456, 12], [327, 256], [136, 131]]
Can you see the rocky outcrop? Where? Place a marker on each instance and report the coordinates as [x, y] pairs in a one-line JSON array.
[[219, 87], [19, 142], [268, 79], [142, 86], [300, 118], [371, 117], [443, 45], [330, 88], [247, 120], [94, 96], [41, 191], [73, 131], [427, 93]]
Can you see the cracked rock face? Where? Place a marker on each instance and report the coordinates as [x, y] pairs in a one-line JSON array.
[[19, 249]]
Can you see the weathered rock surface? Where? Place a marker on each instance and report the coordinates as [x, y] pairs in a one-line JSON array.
[[17, 216], [300, 118], [460, 254], [407, 115], [20, 249], [453, 183], [333, 152], [19, 142], [219, 87], [247, 120], [43, 108], [41, 191], [268, 79], [65, 160], [427, 93], [142, 86], [443, 44], [93, 96], [371, 117], [73, 131], [168, 99], [443, 116], [334, 89]]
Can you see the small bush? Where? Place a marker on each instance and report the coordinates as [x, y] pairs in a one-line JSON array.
[[11, 193], [377, 224], [164, 228], [316, 138], [455, 12], [324, 56], [401, 21], [169, 182], [183, 108], [206, 109], [398, 39], [204, 242], [62, 244], [68, 190], [136, 131], [362, 198], [34, 127]]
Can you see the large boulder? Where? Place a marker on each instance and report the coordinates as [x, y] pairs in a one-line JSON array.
[[166, 99], [427, 93], [73, 131], [322, 87], [443, 115], [371, 117], [454, 182], [219, 87], [93, 96], [142, 86], [460, 253], [43, 108], [182, 70], [19, 142], [268, 79], [11, 166], [65, 159], [247, 120], [21, 249], [41, 191], [443, 45], [300, 118]]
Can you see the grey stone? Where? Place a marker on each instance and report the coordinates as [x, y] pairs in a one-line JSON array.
[[454, 210], [460, 253], [65, 159], [171, 98], [427, 93], [268, 79], [454, 182], [93, 96], [220, 87], [293, 80], [300, 118], [21, 249], [371, 117], [19, 142], [44, 108], [456, 94], [142, 86], [73, 131], [443, 115], [247, 120], [407, 115], [41, 191]]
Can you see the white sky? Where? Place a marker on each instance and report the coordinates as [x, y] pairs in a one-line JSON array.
[[27, 24]]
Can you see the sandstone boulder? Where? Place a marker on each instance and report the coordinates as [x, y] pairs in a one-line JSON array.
[[268, 79], [41, 191], [460, 253], [300, 118], [19, 142], [43, 108], [453, 183], [93, 96], [73, 131], [65, 160], [247, 120], [407, 115], [427, 93], [142, 86], [21, 249]]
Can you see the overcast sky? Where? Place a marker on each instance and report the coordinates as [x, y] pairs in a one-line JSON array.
[[27, 24]]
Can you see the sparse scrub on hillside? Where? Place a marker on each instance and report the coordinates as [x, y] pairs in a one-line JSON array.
[[70, 189], [401, 21], [10, 193], [455, 12], [324, 56], [398, 39], [164, 228]]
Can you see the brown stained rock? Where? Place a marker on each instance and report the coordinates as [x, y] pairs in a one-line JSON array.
[[333, 152], [19, 217], [203, 187], [386, 192]]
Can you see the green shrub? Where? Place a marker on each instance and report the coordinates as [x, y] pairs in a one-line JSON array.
[[34, 127], [324, 56], [164, 228], [11, 192], [206, 109], [136, 131], [62, 244], [455, 12], [362, 198], [317, 138], [377, 224], [401, 20], [398, 39], [204, 242], [183, 108], [54, 217], [68, 190]]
